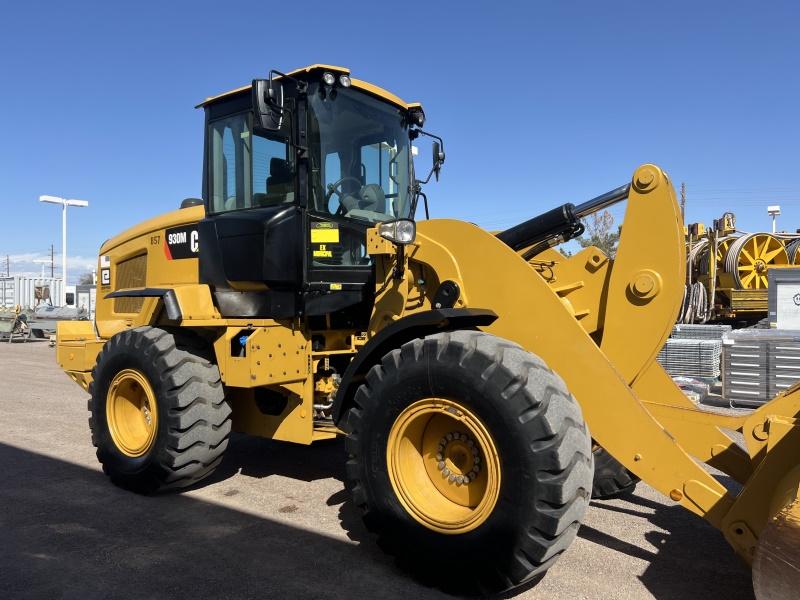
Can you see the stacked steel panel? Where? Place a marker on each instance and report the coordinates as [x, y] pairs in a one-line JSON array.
[[744, 371], [783, 367], [758, 364]]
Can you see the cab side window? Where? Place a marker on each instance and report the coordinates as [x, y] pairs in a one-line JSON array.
[[247, 170], [273, 176]]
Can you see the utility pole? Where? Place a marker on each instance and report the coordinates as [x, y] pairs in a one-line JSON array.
[[52, 261], [683, 201], [774, 211], [8, 266], [64, 204]]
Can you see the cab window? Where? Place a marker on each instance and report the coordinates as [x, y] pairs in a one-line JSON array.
[[247, 170]]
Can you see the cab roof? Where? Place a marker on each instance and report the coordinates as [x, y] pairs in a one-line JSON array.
[[355, 83]]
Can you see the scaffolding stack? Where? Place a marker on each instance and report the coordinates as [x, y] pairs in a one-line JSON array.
[[700, 332], [698, 358]]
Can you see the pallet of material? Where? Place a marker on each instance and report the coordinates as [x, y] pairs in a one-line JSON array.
[[697, 358], [757, 364]]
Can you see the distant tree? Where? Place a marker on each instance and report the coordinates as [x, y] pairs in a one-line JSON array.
[[600, 232], [86, 279]]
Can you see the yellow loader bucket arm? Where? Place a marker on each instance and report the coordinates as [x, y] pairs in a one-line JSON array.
[[599, 324]]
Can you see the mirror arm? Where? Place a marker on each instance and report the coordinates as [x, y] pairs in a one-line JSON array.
[[414, 134], [425, 203], [302, 86]]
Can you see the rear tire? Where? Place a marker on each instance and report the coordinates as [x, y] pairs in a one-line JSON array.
[[611, 479], [543, 459], [166, 377]]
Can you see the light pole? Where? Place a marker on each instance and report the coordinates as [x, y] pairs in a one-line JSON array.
[[64, 204], [773, 211]]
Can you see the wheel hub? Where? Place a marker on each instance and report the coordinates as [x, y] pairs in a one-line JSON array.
[[443, 465], [458, 458], [131, 413]]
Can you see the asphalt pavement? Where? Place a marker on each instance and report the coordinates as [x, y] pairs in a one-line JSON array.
[[274, 521]]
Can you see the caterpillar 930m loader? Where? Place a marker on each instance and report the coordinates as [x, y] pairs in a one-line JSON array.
[[473, 374]]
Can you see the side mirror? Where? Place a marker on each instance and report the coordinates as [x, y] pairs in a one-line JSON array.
[[268, 103], [438, 159]]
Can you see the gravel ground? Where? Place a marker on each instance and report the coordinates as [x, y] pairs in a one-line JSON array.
[[273, 521]]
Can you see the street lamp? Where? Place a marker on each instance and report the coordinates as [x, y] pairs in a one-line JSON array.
[[64, 204], [773, 211]]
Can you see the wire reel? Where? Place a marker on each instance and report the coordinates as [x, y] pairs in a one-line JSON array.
[[750, 256]]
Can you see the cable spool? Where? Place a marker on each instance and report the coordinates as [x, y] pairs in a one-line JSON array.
[[699, 254], [750, 256], [697, 250], [793, 250]]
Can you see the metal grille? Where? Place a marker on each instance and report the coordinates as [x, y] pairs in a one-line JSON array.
[[691, 358], [699, 332], [131, 273]]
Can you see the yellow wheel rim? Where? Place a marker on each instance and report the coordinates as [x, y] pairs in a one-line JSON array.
[[443, 466], [752, 256], [132, 413]]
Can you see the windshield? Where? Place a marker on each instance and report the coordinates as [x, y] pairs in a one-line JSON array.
[[360, 157]]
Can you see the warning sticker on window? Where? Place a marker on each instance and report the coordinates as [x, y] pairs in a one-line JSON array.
[[324, 233]]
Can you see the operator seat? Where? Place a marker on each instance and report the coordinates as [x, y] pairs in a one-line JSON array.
[[371, 197], [280, 184]]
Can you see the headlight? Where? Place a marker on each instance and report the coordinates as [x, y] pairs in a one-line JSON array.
[[344, 80], [401, 231], [328, 78]]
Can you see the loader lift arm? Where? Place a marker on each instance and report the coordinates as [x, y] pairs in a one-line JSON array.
[[632, 407]]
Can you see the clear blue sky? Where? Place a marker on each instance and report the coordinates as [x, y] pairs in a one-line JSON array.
[[539, 103]]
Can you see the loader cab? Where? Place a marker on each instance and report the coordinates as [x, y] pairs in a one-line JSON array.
[[288, 205]]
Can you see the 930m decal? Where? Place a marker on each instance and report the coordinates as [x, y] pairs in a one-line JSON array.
[[182, 242]]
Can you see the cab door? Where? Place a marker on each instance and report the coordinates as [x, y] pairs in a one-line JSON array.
[[339, 271]]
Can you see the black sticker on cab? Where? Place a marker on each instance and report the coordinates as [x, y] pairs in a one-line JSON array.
[[182, 242]]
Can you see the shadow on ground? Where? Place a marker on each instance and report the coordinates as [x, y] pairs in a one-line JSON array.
[[68, 533], [688, 547]]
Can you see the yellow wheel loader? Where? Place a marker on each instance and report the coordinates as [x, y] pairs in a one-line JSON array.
[[481, 380]]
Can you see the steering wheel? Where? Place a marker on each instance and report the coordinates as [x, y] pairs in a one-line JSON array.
[[335, 188]]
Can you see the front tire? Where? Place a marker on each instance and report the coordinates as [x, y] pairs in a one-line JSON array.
[[159, 418], [412, 435]]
